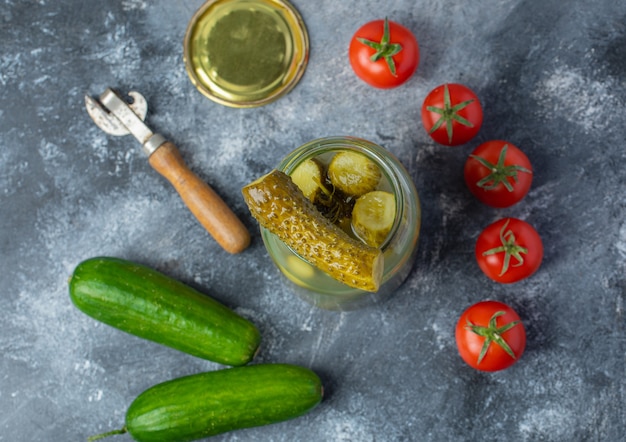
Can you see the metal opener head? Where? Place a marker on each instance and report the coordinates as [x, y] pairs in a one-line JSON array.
[[108, 122], [116, 116]]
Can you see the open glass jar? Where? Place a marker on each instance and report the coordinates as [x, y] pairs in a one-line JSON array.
[[399, 248]]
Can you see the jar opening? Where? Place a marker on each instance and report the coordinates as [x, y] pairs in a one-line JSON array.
[[376, 153]]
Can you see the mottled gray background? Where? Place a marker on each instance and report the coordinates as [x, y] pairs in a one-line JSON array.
[[551, 75]]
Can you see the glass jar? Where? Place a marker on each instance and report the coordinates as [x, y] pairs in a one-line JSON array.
[[399, 249]]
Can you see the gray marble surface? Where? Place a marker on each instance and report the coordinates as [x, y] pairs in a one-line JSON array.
[[551, 75]]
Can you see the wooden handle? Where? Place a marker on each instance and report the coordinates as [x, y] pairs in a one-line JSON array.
[[204, 203]]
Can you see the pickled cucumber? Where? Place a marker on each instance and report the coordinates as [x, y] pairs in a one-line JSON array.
[[280, 206], [308, 177], [353, 173], [373, 217]]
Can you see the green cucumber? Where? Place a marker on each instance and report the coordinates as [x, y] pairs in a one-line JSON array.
[[206, 404], [148, 304]]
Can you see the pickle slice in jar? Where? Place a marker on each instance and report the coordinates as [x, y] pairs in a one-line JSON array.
[[353, 173], [279, 205], [373, 216], [308, 177]]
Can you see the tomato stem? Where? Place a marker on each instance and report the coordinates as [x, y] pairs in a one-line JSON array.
[[509, 247], [499, 172], [493, 333], [449, 114], [384, 49]]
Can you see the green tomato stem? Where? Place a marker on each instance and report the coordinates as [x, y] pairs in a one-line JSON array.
[[449, 114], [493, 333], [499, 172], [384, 49], [509, 248]]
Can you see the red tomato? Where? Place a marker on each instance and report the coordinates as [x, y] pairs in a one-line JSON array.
[[384, 54], [452, 114], [498, 173], [509, 250], [490, 336]]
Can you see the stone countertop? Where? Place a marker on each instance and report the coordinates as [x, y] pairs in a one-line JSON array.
[[551, 77]]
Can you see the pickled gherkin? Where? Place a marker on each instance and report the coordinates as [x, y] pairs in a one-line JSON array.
[[279, 205], [353, 173], [308, 177], [373, 216]]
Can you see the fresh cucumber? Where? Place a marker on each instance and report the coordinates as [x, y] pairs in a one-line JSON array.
[[148, 304], [206, 404]]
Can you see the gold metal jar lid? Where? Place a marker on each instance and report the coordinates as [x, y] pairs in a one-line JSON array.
[[246, 53]]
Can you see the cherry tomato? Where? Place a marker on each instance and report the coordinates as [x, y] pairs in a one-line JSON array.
[[490, 336], [452, 114], [384, 54], [509, 250], [498, 173]]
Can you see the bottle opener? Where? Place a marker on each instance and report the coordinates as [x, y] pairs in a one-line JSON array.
[[115, 116]]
